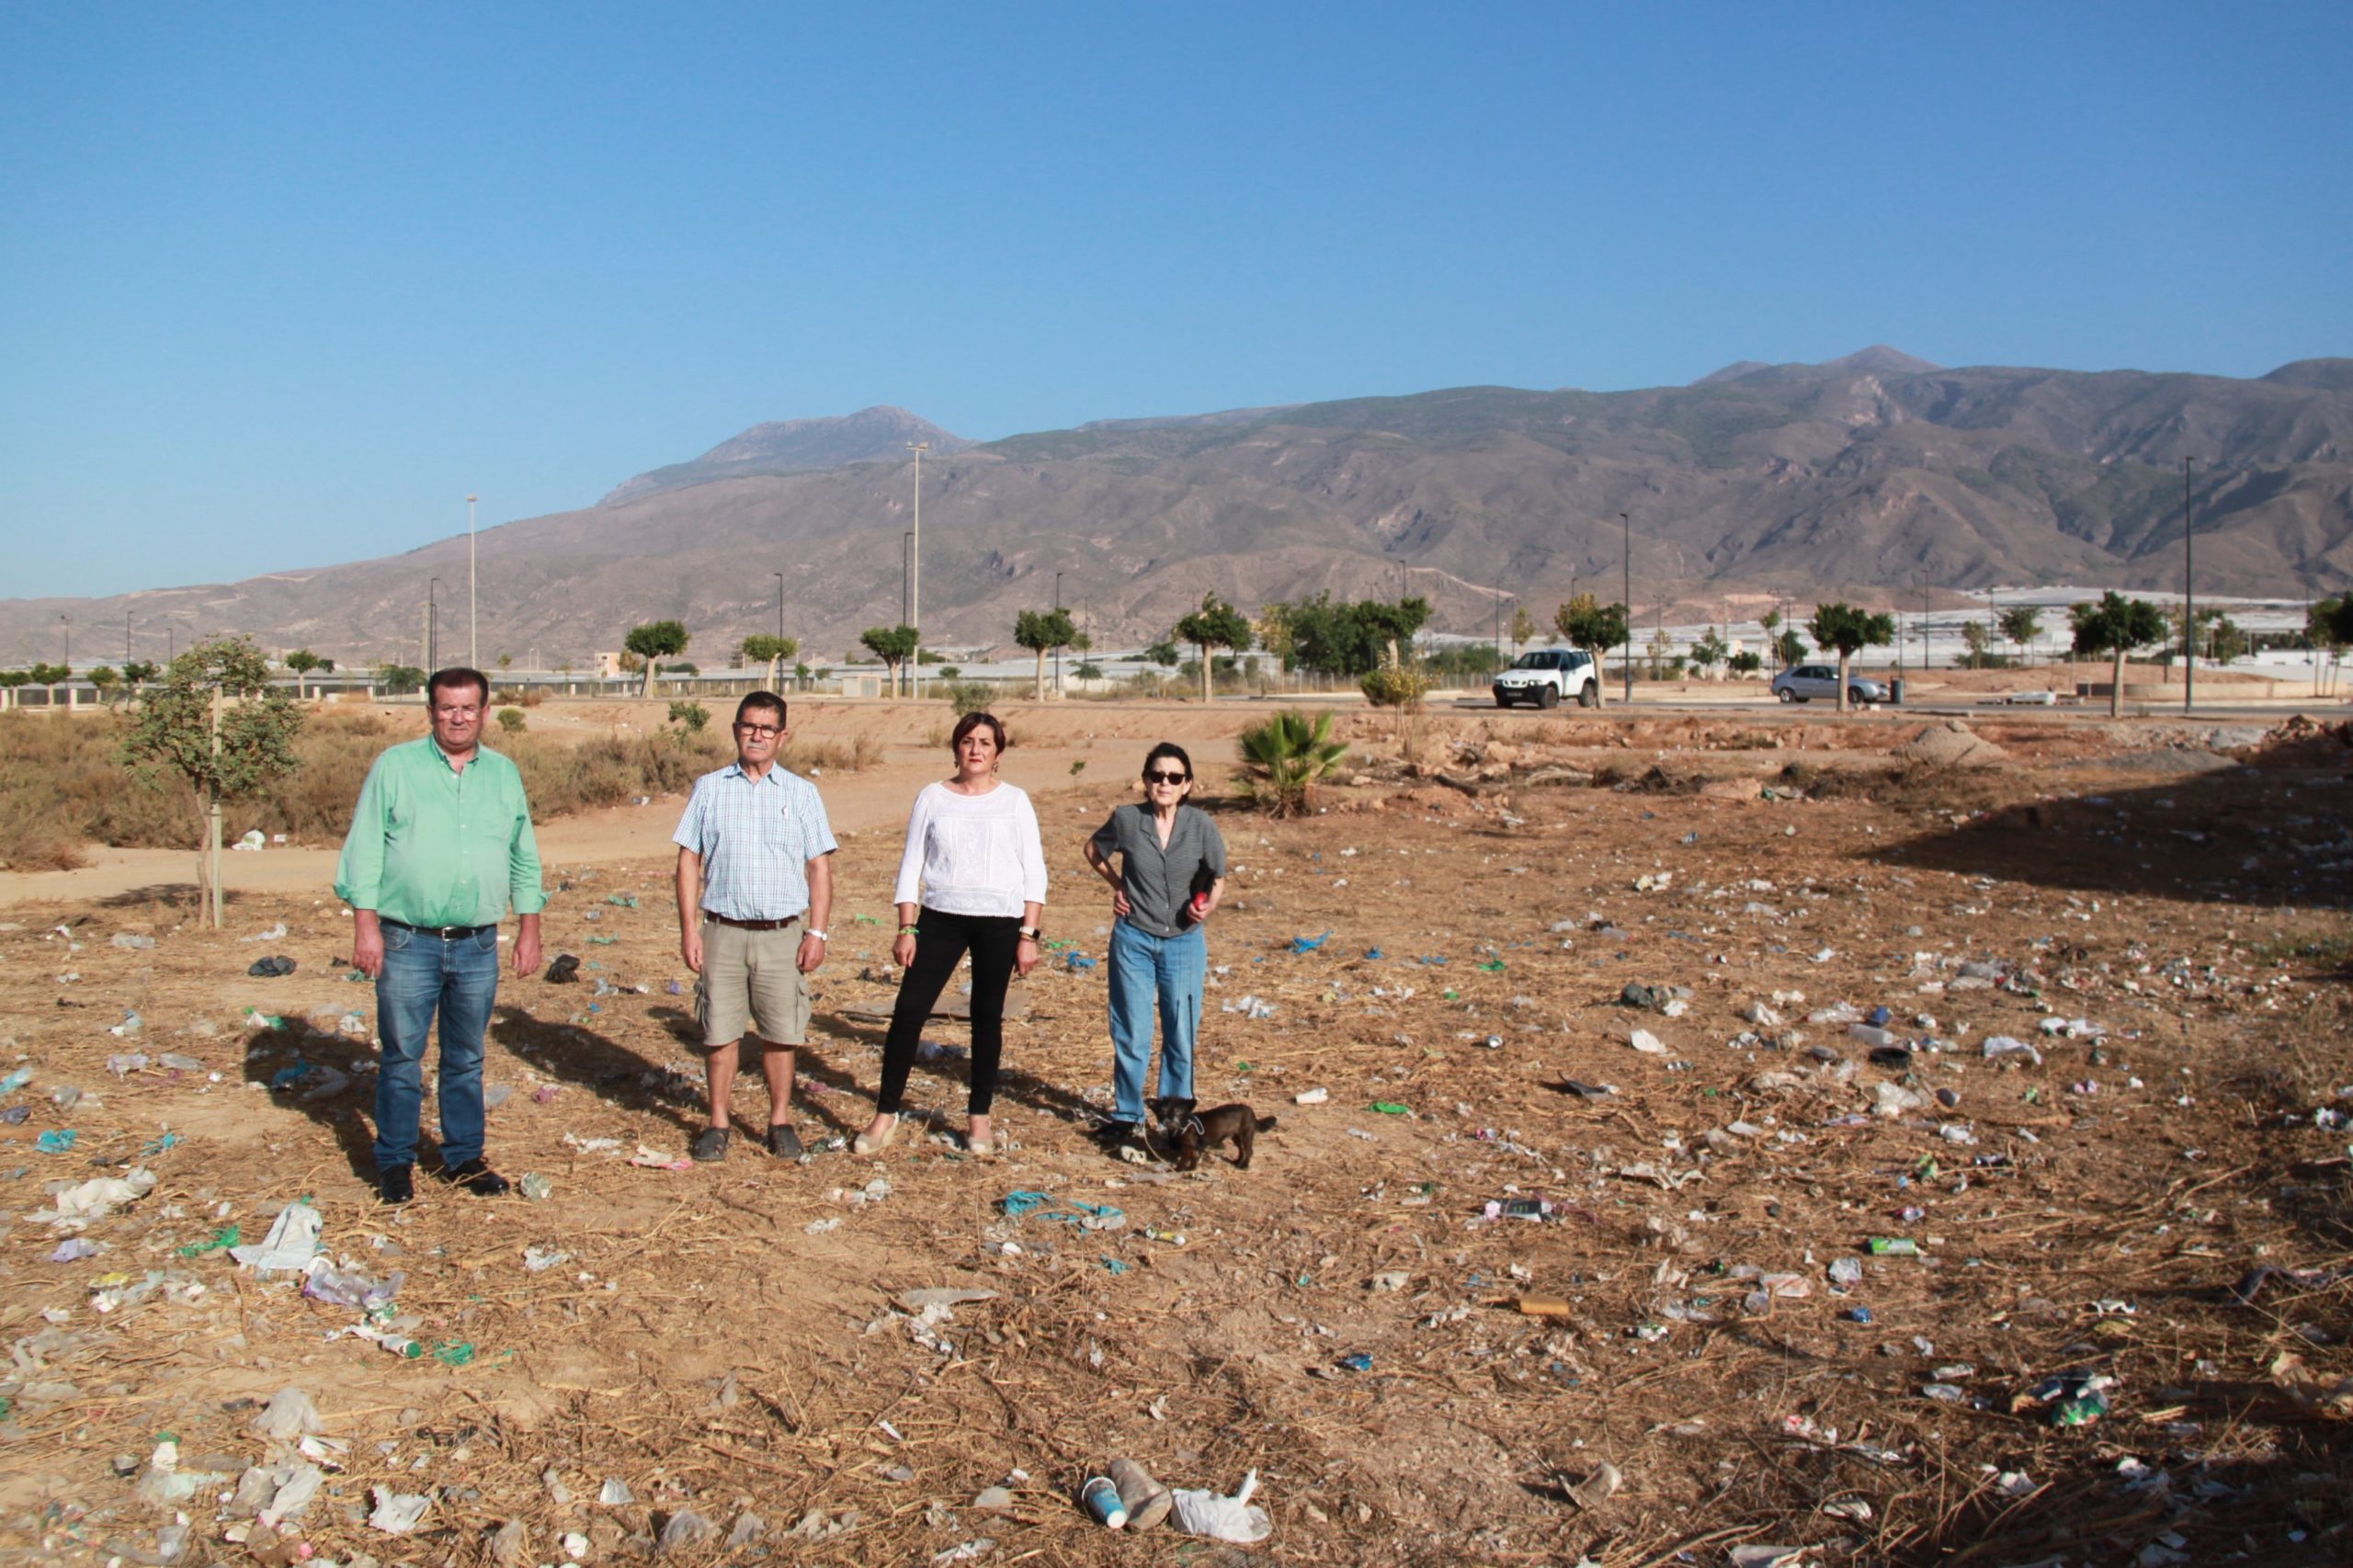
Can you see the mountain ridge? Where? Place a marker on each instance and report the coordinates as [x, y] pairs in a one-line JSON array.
[[1854, 479]]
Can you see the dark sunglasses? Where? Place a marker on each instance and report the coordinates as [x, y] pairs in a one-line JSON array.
[[1168, 778]]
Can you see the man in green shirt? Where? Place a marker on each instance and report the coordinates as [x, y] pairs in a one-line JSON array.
[[440, 845]]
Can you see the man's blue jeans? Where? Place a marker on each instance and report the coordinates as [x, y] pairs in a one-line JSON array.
[[1145, 968], [424, 973]]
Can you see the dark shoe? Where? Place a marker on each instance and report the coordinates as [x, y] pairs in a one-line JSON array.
[[476, 1176], [396, 1184], [711, 1145], [1117, 1135], [784, 1143]]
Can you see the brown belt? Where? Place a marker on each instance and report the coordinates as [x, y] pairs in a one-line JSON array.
[[752, 925]]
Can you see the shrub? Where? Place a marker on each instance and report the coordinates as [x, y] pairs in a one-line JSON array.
[[1393, 685], [61, 784], [1284, 758], [690, 717], [967, 696], [511, 719]]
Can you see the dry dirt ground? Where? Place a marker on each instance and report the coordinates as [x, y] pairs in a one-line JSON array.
[[2158, 913]]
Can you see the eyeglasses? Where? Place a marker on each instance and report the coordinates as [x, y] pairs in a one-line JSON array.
[[1168, 778], [758, 732]]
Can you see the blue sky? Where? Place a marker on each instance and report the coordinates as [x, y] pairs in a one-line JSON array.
[[281, 284]]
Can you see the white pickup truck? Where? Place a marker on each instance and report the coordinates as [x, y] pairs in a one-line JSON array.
[[1544, 676]]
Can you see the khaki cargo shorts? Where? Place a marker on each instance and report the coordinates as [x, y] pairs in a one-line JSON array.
[[751, 982]]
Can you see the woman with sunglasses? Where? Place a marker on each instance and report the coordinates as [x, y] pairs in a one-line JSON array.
[[973, 877], [1169, 880]]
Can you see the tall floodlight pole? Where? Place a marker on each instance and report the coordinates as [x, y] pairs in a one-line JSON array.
[[915, 575], [906, 555], [1058, 649], [474, 647], [432, 625], [1626, 565], [780, 624], [1497, 661], [2188, 598], [125, 637]]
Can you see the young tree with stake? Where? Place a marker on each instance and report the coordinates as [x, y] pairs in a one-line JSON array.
[[220, 723]]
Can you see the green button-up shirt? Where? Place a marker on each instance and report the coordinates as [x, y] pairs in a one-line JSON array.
[[432, 846]]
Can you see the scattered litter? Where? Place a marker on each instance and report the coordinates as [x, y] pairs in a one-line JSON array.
[[1311, 1096], [1223, 1519], [271, 967], [1597, 1488], [96, 1198], [292, 1242], [396, 1513]]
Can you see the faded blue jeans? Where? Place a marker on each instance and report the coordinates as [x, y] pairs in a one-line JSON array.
[[1144, 969], [424, 973]]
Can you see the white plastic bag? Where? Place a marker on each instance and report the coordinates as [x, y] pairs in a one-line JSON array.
[[1223, 1518]]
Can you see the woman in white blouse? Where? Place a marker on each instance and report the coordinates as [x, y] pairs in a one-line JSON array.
[[972, 847]]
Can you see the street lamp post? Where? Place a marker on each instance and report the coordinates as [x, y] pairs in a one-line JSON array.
[[432, 625], [779, 625], [2188, 598], [915, 575], [1058, 647], [1626, 566], [474, 647], [906, 555]]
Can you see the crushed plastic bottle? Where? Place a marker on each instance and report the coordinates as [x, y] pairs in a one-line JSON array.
[[349, 1287]]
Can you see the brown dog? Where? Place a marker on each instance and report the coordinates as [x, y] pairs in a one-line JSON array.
[[1196, 1133]]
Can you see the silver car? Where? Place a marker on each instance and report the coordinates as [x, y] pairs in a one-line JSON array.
[[1804, 683]]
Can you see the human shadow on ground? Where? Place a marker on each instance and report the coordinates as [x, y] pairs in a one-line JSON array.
[[578, 1054], [1012, 1082], [310, 1070]]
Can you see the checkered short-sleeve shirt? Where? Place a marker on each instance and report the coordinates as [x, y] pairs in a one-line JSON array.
[[757, 838]]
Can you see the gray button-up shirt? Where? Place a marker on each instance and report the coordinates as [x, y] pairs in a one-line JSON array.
[[1159, 882]]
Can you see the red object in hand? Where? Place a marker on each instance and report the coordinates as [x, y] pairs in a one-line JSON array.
[[1199, 909]]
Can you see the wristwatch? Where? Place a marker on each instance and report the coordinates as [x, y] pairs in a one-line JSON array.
[[819, 934], [1031, 934]]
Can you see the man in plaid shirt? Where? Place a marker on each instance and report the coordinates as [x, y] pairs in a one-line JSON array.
[[754, 893]]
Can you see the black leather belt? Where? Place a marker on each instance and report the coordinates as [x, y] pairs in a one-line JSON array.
[[446, 933], [752, 925]]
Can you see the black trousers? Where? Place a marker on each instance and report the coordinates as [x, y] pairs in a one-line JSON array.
[[942, 941]]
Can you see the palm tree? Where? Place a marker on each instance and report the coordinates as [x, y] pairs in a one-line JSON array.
[[1284, 759]]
